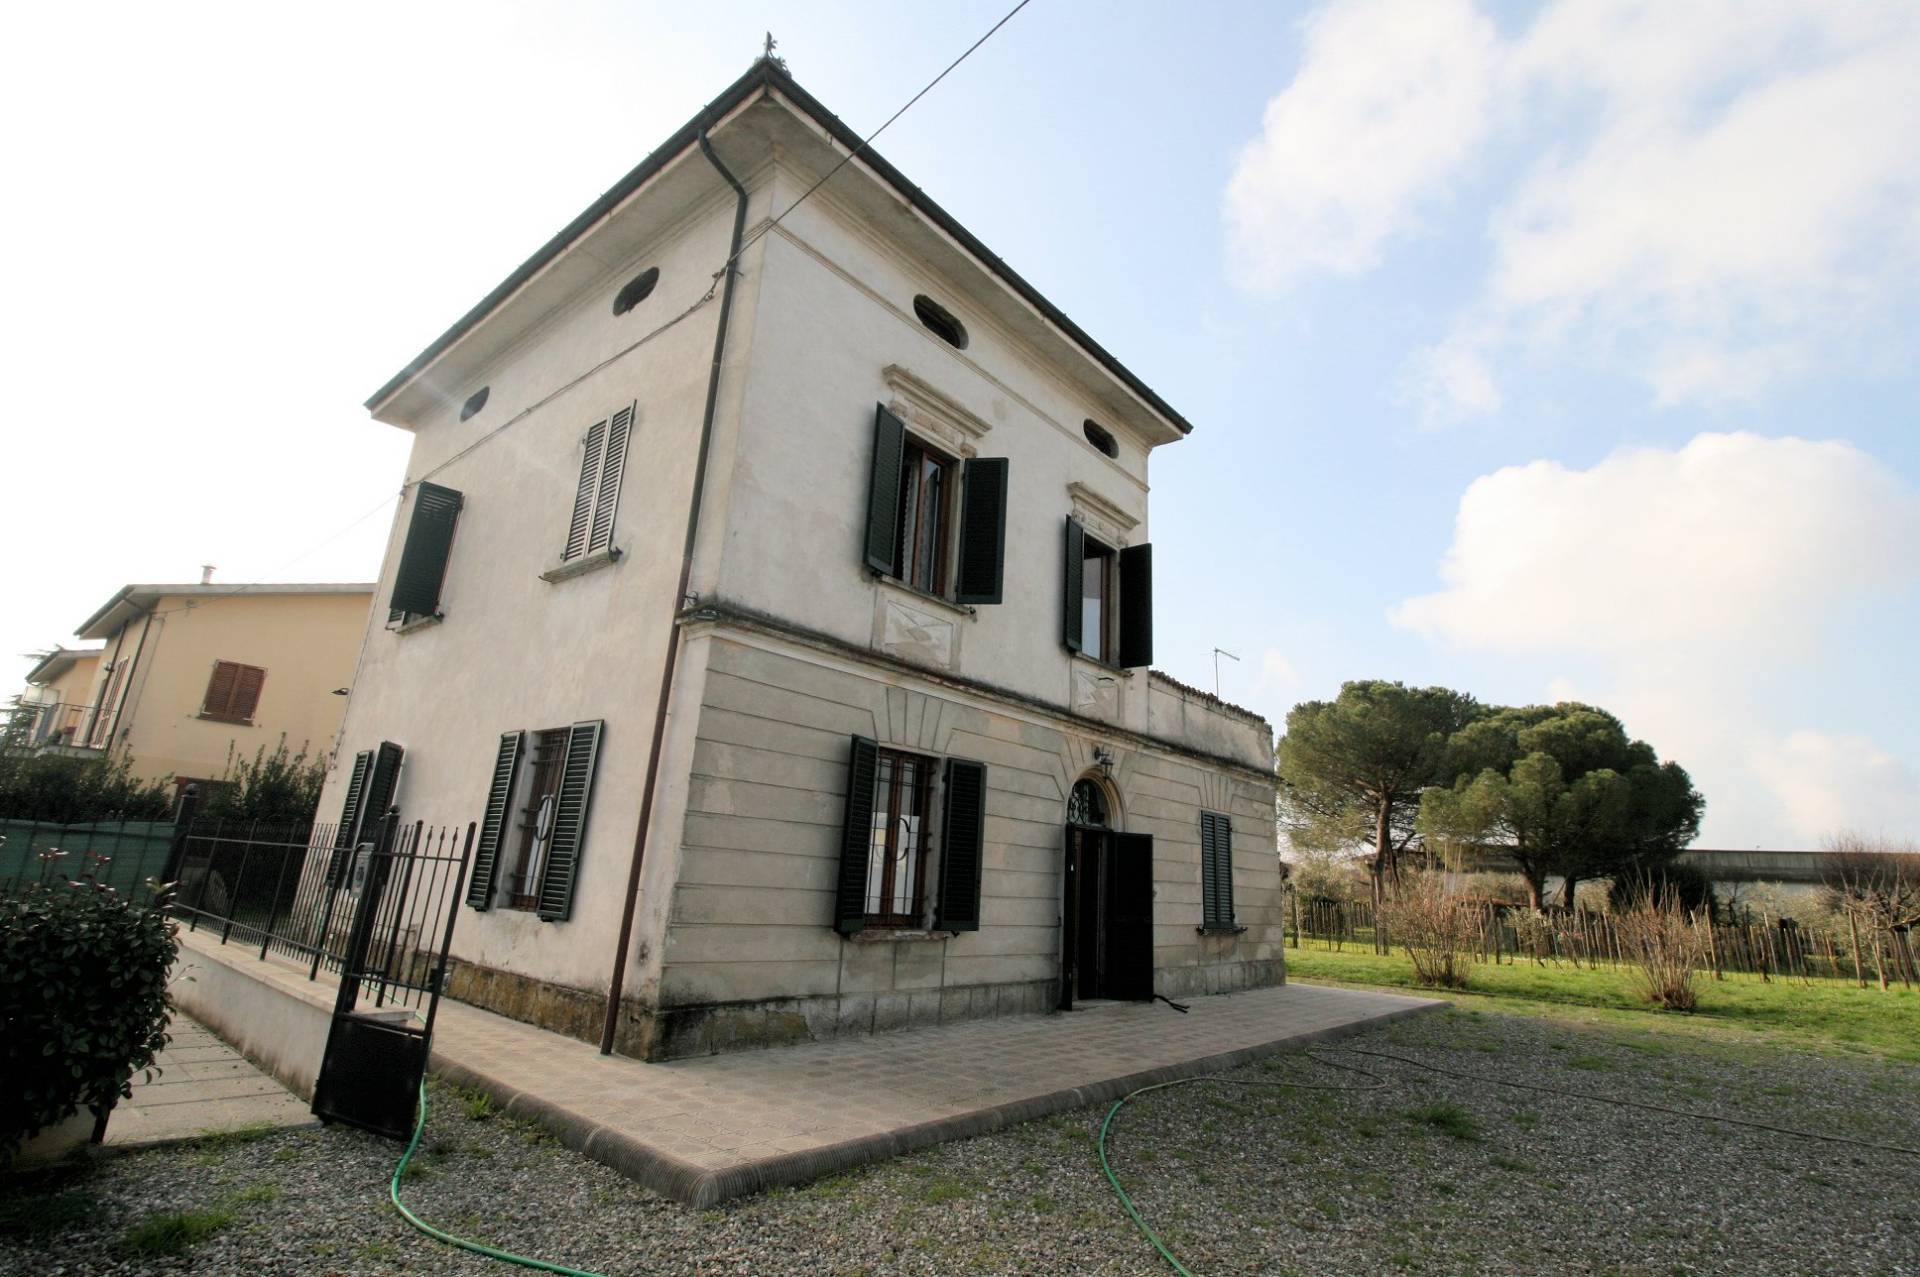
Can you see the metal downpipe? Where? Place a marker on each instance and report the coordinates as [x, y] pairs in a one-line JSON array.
[[616, 986]]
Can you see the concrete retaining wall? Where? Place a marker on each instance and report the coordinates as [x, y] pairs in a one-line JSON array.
[[266, 1009]]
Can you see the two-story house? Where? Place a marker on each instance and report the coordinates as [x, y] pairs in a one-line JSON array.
[[188, 676], [773, 585]]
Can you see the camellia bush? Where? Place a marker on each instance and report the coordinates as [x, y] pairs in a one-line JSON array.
[[83, 1001]]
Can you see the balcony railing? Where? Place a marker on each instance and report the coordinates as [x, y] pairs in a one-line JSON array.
[[38, 726]]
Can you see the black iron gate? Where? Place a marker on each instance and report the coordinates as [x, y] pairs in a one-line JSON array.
[[405, 884]]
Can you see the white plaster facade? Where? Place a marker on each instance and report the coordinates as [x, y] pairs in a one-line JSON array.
[[789, 644]]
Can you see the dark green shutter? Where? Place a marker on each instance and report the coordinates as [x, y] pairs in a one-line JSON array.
[[1136, 606], [883, 491], [983, 531], [349, 817], [506, 765], [1074, 592], [1216, 869], [611, 471], [423, 563], [962, 849], [583, 494], [856, 838], [380, 785], [557, 878]]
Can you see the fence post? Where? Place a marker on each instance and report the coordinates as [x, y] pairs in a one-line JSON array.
[[239, 880], [273, 904], [177, 845], [371, 889]]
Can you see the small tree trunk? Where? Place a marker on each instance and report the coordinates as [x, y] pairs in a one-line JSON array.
[[1536, 892], [1853, 929], [1566, 892]]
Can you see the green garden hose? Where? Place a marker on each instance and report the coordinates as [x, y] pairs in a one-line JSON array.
[[478, 1248]]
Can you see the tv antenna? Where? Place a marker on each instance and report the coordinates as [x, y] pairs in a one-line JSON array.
[[1219, 652]]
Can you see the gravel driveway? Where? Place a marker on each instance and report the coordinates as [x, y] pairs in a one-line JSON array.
[[1430, 1175]]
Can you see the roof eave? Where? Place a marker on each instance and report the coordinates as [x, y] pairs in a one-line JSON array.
[[766, 74]]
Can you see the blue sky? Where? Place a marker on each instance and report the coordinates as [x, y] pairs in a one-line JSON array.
[[1535, 350]]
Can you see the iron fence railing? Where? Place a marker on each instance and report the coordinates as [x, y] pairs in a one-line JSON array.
[[264, 885], [298, 891], [56, 723]]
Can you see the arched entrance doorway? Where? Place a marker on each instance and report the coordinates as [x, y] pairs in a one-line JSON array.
[[1106, 943]]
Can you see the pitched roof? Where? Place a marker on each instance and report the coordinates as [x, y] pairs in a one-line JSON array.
[[52, 665], [131, 600], [768, 74]]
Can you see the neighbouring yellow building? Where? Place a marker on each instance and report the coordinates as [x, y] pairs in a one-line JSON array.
[[188, 676], [54, 705]]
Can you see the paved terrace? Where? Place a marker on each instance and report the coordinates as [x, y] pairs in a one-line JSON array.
[[707, 1129]]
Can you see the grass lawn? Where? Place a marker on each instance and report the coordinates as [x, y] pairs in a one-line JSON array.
[[1827, 1015]]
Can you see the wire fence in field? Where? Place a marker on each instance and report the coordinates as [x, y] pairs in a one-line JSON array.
[[1765, 947]]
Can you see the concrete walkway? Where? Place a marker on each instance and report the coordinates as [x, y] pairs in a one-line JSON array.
[[719, 1126], [205, 1087], [707, 1129]]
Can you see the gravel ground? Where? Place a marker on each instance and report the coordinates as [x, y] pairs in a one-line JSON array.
[[1430, 1175]]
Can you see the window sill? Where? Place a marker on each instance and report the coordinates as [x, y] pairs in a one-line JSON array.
[[228, 719], [896, 935], [581, 566], [413, 623], [895, 584], [1105, 666], [1231, 929]]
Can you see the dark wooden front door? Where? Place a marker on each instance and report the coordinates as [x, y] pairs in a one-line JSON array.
[[1106, 946]]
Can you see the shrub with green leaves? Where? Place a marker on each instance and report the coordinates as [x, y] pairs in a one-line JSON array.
[[281, 787], [83, 1001], [62, 791]]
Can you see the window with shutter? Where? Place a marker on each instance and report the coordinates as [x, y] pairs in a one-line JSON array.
[[1216, 871], [913, 493], [343, 843], [962, 845], [596, 498], [537, 808], [1107, 602], [486, 854], [423, 560], [856, 837], [233, 692], [884, 842], [561, 871]]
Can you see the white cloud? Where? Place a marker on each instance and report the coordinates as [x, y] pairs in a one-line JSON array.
[[1718, 196], [1276, 672], [1732, 538], [1687, 580], [1825, 784], [1391, 99], [1452, 381]]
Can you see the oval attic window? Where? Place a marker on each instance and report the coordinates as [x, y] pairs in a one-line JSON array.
[[475, 402], [1100, 437], [636, 290], [940, 321]]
